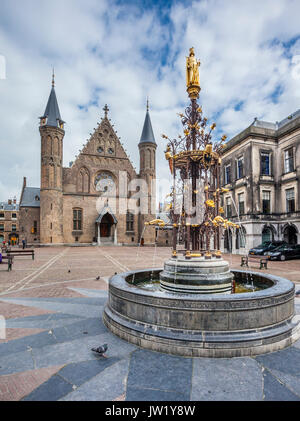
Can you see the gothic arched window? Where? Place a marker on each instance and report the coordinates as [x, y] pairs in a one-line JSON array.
[[83, 181], [104, 182]]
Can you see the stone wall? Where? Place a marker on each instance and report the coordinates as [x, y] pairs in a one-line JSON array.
[[27, 217]]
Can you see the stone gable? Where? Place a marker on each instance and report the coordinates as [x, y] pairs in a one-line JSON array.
[[102, 152]]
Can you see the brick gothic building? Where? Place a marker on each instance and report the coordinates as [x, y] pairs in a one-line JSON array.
[[65, 209], [261, 169]]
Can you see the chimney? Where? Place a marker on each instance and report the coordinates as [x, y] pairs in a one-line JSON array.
[[24, 182], [15, 200], [9, 201]]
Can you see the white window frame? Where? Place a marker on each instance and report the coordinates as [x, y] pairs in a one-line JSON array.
[[287, 170]]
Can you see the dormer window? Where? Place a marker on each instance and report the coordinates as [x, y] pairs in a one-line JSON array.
[[43, 121], [110, 151], [37, 199], [100, 149]]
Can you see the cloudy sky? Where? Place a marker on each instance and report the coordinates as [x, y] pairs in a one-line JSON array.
[[120, 52]]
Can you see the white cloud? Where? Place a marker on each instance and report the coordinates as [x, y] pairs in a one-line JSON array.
[[109, 53]]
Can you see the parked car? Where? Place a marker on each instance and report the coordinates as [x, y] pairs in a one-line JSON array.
[[284, 252], [266, 246]]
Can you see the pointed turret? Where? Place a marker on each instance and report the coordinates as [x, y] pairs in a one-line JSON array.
[[147, 148], [51, 197], [147, 133], [51, 115]]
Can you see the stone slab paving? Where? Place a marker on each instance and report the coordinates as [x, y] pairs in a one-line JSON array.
[[55, 362], [17, 386], [17, 333], [224, 379], [131, 373]]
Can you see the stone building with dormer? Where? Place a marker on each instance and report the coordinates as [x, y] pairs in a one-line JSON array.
[[99, 197], [261, 169]]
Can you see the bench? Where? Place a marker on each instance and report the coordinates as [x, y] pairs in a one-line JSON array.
[[20, 252], [252, 258], [9, 260]]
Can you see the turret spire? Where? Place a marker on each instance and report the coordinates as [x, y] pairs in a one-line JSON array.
[[51, 115]]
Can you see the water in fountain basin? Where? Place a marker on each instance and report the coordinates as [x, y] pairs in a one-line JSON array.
[[241, 288]]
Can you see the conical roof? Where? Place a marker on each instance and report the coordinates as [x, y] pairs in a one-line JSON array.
[[147, 133], [52, 110]]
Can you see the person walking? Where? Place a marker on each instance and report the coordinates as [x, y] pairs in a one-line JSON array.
[[23, 243]]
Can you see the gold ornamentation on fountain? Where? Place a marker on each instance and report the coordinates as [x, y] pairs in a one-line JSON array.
[[210, 203], [155, 222]]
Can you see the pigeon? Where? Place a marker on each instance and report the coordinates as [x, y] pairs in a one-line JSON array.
[[298, 292], [69, 271], [101, 350], [98, 278]]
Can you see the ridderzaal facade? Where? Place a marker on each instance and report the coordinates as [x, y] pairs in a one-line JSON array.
[[89, 202]]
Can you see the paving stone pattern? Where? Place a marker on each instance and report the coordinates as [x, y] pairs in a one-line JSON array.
[[55, 318], [139, 375]]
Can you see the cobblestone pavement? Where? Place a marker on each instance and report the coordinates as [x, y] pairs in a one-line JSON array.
[[53, 306]]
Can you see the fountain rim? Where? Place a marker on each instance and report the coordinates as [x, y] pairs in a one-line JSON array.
[[280, 286]]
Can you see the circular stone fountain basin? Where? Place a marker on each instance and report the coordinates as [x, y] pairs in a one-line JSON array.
[[203, 325]]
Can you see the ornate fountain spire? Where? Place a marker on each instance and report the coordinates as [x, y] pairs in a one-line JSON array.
[[192, 75]]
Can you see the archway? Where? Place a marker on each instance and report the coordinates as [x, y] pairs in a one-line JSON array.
[[267, 234], [106, 224], [290, 234], [228, 240], [13, 239]]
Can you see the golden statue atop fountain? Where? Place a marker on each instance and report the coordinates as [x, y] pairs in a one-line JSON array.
[[192, 75]]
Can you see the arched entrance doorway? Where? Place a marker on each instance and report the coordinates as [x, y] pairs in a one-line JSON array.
[[106, 226], [13, 239], [290, 234], [228, 241], [266, 235]]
